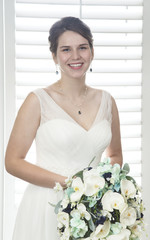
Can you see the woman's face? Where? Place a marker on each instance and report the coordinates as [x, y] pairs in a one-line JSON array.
[[74, 55]]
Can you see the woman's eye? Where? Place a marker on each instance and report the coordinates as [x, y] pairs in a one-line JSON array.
[[66, 50], [83, 48]]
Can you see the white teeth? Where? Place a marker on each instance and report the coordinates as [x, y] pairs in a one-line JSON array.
[[76, 65]]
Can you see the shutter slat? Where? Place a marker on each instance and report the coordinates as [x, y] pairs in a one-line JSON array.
[[129, 105], [114, 79], [106, 66], [131, 144], [34, 24], [114, 26], [50, 1], [133, 118], [131, 131], [96, 12], [96, 79], [100, 39], [128, 92], [124, 105], [46, 10], [101, 53], [117, 39], [112, 12], [113, 2], [118, 92], [87, 2], [97, 26], [132, 157]]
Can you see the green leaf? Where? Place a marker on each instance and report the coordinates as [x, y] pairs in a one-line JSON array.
[[131, 179], [69, 191], [91, 161], [126, 168], [91, 225], [57, 207], [53, 205], [79, 174]]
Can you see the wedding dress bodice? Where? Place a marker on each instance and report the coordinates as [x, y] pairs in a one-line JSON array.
[[65, 147]]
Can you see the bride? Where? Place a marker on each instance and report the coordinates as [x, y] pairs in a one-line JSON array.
[[70, 122]]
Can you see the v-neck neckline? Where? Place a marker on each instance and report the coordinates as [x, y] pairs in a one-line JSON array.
[[67, 114]]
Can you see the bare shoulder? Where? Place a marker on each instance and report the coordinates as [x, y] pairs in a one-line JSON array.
[[31, 102], [113, 101], [114, 105], [95, 94], [30, 111]]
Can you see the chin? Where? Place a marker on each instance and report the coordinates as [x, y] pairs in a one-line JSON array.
[[78, 75]]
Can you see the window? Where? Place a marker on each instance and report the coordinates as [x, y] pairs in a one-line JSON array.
[[117, 66]]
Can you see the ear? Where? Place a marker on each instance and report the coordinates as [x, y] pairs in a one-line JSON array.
[[54, 56], [92, 50]]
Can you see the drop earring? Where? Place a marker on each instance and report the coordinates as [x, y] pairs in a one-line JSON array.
[[57, 69], [91, 68]]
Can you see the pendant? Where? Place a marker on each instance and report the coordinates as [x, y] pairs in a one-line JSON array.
[[79, 112]]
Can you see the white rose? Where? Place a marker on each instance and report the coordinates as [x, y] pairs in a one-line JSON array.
[[127, 188], [128, 217], [123, 235], [112, 200], [78, 187]]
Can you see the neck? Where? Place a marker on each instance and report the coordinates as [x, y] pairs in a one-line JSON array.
[[72, 88]]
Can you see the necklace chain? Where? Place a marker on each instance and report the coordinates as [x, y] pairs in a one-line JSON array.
[[78, 106]]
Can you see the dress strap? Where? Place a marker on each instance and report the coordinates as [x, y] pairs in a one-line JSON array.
[[46, 105], [106, 111]]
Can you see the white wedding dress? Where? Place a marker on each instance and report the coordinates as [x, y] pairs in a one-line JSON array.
[[63, 147]]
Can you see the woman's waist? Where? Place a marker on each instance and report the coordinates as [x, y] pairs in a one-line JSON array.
[[66, 168]]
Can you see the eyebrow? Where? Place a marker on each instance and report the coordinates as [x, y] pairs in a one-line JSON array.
[[83, 44]]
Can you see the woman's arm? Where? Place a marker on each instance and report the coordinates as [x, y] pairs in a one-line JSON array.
[[114, 150], [22, 136]]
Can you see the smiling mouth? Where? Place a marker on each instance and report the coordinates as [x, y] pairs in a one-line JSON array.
[[75, 65]]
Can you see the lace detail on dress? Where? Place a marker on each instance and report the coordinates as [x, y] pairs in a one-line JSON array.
[[49, 110], [106, 108]]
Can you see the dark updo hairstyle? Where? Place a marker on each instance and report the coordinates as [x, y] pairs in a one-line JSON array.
[[68, 24]]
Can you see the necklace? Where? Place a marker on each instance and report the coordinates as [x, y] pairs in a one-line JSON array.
[[78, 106]]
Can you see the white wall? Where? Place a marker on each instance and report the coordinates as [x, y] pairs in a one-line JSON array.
[[9, 108], [1, 119], [146, 115]]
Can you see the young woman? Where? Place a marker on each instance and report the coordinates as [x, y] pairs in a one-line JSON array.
[[70, 122]]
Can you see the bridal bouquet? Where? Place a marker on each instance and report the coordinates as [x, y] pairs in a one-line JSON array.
[[101, 203]]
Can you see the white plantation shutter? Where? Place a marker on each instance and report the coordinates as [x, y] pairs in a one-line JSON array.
[[117, 66]]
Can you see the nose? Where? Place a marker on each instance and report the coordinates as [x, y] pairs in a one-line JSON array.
[[75, 54]]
